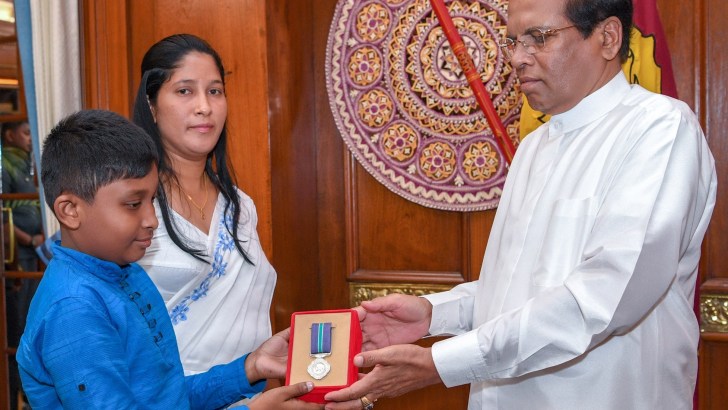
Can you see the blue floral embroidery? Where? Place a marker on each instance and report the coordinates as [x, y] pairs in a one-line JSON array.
[[225, 242], [218, 266], [201, 291], [224, 245], [179, 313]]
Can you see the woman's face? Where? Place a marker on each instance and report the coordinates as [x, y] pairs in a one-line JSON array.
[[191, 108]]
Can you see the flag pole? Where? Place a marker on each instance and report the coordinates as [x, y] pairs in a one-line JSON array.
[[466, 64]]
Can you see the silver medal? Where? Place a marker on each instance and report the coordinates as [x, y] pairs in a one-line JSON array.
[[319, 368]]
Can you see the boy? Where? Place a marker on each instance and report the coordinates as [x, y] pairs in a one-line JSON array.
[[98, 334]]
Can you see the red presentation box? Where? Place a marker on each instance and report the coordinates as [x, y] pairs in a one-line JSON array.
[[345, 343]]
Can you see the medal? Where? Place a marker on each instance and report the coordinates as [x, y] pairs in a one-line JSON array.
[[320, 348]]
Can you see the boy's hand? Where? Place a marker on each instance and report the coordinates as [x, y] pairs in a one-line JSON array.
[[269, 360], [284, 398]]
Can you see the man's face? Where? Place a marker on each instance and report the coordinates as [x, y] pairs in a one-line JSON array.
[[567, 69], [20, 137]]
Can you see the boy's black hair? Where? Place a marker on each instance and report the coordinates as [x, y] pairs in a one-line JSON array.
[[158, 63], [91, 149]]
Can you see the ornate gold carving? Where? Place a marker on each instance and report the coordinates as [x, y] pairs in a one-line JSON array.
[[359, 292], [714, 313]]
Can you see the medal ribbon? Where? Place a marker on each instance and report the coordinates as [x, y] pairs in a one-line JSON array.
[[321, 338]]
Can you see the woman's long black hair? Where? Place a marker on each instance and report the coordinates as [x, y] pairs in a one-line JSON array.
[[157, 66]]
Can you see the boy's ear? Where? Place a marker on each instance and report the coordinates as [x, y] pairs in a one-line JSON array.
[[67, 210]]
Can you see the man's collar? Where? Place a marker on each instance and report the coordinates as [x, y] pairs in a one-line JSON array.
[[595, 105]]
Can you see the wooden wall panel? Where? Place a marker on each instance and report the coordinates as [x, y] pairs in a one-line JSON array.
[[679, 18], [712, 392], [106, 65], [294, 158], [395, 234], [714, 89], [332, 158]]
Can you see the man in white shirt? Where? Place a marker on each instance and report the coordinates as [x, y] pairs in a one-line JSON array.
[[586, 291]]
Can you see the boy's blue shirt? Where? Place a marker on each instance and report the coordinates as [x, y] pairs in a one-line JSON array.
[[99, 336]]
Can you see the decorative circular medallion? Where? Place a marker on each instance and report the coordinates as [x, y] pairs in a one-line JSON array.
[[372, 22], [375, 108], [400, 141], [404, 106], [437, 161], [319, 368], [480, 161], [365, 66]]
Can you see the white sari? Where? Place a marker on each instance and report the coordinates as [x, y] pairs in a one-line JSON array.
[[220, 310]]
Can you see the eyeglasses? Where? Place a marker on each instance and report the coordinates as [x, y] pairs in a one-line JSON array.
[[533, 41]]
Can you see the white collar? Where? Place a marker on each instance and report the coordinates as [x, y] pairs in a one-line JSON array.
[[593, 106]]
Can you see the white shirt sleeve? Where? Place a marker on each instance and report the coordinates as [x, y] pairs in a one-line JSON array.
[[644, 241], [452, 311]]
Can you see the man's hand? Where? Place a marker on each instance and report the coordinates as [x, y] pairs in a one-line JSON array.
[[394, 319], [397, 370], [284, 398], [269, 360]]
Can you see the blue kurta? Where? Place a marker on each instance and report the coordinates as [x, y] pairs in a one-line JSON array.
[[98, 336]]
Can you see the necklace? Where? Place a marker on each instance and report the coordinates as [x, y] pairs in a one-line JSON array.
[[200, 209]]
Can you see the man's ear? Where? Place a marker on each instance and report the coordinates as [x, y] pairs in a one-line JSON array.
[[611, 37], [8, 137], [68, 210]]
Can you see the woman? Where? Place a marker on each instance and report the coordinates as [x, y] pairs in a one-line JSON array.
[[206, 258]]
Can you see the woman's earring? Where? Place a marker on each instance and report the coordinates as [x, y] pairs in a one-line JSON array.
[[151, 110]]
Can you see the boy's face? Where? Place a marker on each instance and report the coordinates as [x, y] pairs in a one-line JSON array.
[[118, 226]]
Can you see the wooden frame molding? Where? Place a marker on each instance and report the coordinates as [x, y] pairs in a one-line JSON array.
[[105, 63], [359, 292]]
